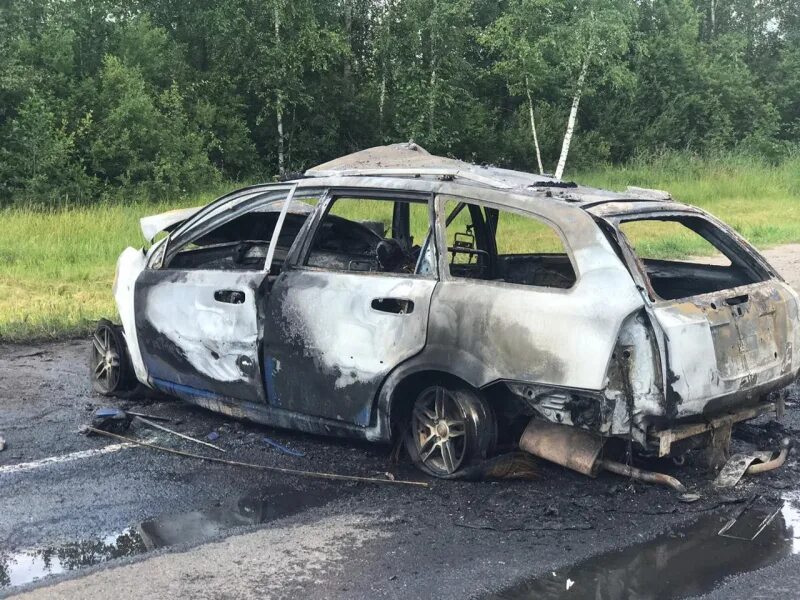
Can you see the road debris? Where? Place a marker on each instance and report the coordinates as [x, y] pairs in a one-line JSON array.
[[689, 497], [642, 475], [146, 416], [511, 465], [750, 521], [213, 436], [111, 419], [2, 443], [236, 463], [737, 465], [751, 463], [150, 423], [786, 446], [282, 448]]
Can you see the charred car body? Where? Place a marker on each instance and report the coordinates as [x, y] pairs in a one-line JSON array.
[[395, 293]]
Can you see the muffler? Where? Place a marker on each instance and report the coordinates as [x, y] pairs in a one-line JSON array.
[[580, 450], [570, 447]]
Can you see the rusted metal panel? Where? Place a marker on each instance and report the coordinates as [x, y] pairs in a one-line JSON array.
[[572, 448]]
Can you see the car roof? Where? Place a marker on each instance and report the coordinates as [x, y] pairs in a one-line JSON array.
[[409, 161]]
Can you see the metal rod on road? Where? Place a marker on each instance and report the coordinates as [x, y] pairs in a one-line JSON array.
[[153, 417], [236, 463], [181, 435]]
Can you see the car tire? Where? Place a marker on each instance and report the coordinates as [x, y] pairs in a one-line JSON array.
[[109, 365], [449, 428]]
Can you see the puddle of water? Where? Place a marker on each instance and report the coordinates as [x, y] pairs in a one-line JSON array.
[[689, 561], [190, 527]]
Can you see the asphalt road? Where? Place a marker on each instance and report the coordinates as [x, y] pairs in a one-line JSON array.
[[93, 519]]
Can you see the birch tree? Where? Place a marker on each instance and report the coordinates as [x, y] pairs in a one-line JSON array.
[[518, 38], [432, 74], [385, 48], [590, 41], [573, 113], [276, 11], [288, 44]]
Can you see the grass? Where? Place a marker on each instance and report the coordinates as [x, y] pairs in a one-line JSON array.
[[57, 266], [761, 202]]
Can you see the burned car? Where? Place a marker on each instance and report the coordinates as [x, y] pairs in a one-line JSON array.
[[391, 294]]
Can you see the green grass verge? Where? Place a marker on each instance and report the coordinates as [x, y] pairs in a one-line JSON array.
[[57, 266]]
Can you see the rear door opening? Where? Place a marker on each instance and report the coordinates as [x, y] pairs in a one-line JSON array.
[[725, 318]]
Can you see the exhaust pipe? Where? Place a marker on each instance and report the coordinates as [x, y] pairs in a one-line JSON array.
[[580, 450], [786, 446]]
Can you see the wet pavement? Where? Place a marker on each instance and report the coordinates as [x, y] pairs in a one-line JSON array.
[[192, 527], [683, 563], [79, 515]]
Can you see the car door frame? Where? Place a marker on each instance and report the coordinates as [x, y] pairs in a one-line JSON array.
[[248, 387], [296, 264]]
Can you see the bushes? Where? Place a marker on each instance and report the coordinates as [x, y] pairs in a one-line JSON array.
[[141, 141], [40, 162], [79, 139]]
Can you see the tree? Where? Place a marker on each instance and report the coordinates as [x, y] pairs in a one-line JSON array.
[[40, 157], [161, 97], [590, 40], [287, 43], [519, 37]]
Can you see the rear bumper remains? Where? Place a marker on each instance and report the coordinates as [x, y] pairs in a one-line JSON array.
[[664, 439]]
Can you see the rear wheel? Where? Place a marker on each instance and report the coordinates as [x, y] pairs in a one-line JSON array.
[[108, 360], [449, 429]]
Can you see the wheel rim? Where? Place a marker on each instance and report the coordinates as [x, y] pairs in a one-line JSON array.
[[439, 430], [105, 359]]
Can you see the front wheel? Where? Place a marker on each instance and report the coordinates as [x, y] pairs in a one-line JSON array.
[[109, 366], [449, 429]]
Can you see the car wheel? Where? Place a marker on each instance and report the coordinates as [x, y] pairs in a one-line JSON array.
[[449, 429], [108, 360]]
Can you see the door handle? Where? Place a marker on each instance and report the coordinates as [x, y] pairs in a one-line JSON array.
[[229, 296], [395, 306], [734, 300]]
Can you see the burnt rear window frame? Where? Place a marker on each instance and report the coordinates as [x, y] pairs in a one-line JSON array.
[[726, 241]]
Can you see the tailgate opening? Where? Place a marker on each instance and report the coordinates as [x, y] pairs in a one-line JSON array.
[[685, 255], [725, 321]]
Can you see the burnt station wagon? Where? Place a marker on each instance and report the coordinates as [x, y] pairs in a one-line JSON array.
[[395, 293]]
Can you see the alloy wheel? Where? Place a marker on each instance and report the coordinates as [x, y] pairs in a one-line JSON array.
[[439, 429], [106, 359]]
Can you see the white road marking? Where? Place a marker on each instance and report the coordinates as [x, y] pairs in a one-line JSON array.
[[51, 460]]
